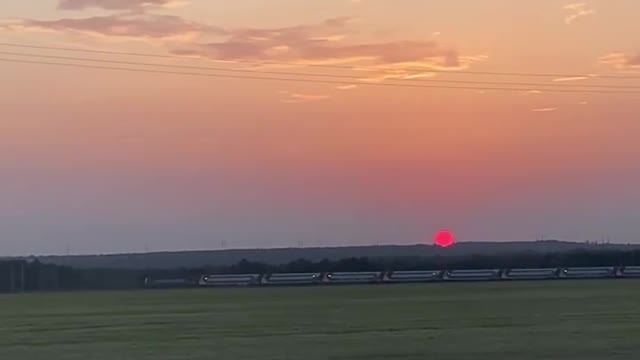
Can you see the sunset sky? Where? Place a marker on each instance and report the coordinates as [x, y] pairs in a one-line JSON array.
[[395, 131]]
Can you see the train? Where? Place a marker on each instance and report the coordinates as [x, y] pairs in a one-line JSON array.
[[395, 277]]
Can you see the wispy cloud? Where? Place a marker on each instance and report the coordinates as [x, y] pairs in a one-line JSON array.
[[577, 10], [571, 78], [130, 25], [297, 98], [328, 43], [544, 109], [118, 4], [347, 87], [621, 61]]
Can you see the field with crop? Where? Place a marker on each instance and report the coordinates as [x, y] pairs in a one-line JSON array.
[[521, 320]]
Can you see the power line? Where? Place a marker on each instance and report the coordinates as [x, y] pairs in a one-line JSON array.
[[318, 81], [329, 66], [352, 77]]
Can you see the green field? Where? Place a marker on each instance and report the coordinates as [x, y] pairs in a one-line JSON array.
[[525, 320]]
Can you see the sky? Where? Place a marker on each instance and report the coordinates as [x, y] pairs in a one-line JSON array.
[[397, 129]]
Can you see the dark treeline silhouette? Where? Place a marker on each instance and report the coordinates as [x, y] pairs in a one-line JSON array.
[[30, 276], [521, 260], [276, 256]]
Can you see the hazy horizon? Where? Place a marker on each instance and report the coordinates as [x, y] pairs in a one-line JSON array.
[[70, 251], [97, 160]]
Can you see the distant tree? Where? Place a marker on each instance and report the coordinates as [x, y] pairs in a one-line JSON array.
[[36, 276]]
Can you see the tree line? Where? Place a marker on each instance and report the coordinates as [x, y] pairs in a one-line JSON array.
[[31, 276]]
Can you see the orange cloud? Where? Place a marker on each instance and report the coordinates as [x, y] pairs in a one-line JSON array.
[[296, 98], [327, 43], [135, 25], [307, 44], [577, 10], [571, 78], [621, 61]]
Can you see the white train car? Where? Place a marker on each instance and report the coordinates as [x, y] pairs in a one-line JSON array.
[[530, 274], [366, 277], [629, 272], [412, 276], [588, 273], [292, 279], [472, 275], [230, 280]]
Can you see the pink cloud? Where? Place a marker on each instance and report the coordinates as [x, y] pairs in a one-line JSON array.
[[121, 25], [114, 4], [327, 43]]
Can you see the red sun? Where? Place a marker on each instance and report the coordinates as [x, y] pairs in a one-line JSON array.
[[444, 238]]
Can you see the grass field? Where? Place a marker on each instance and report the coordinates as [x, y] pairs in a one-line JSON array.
[[516, 321]]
